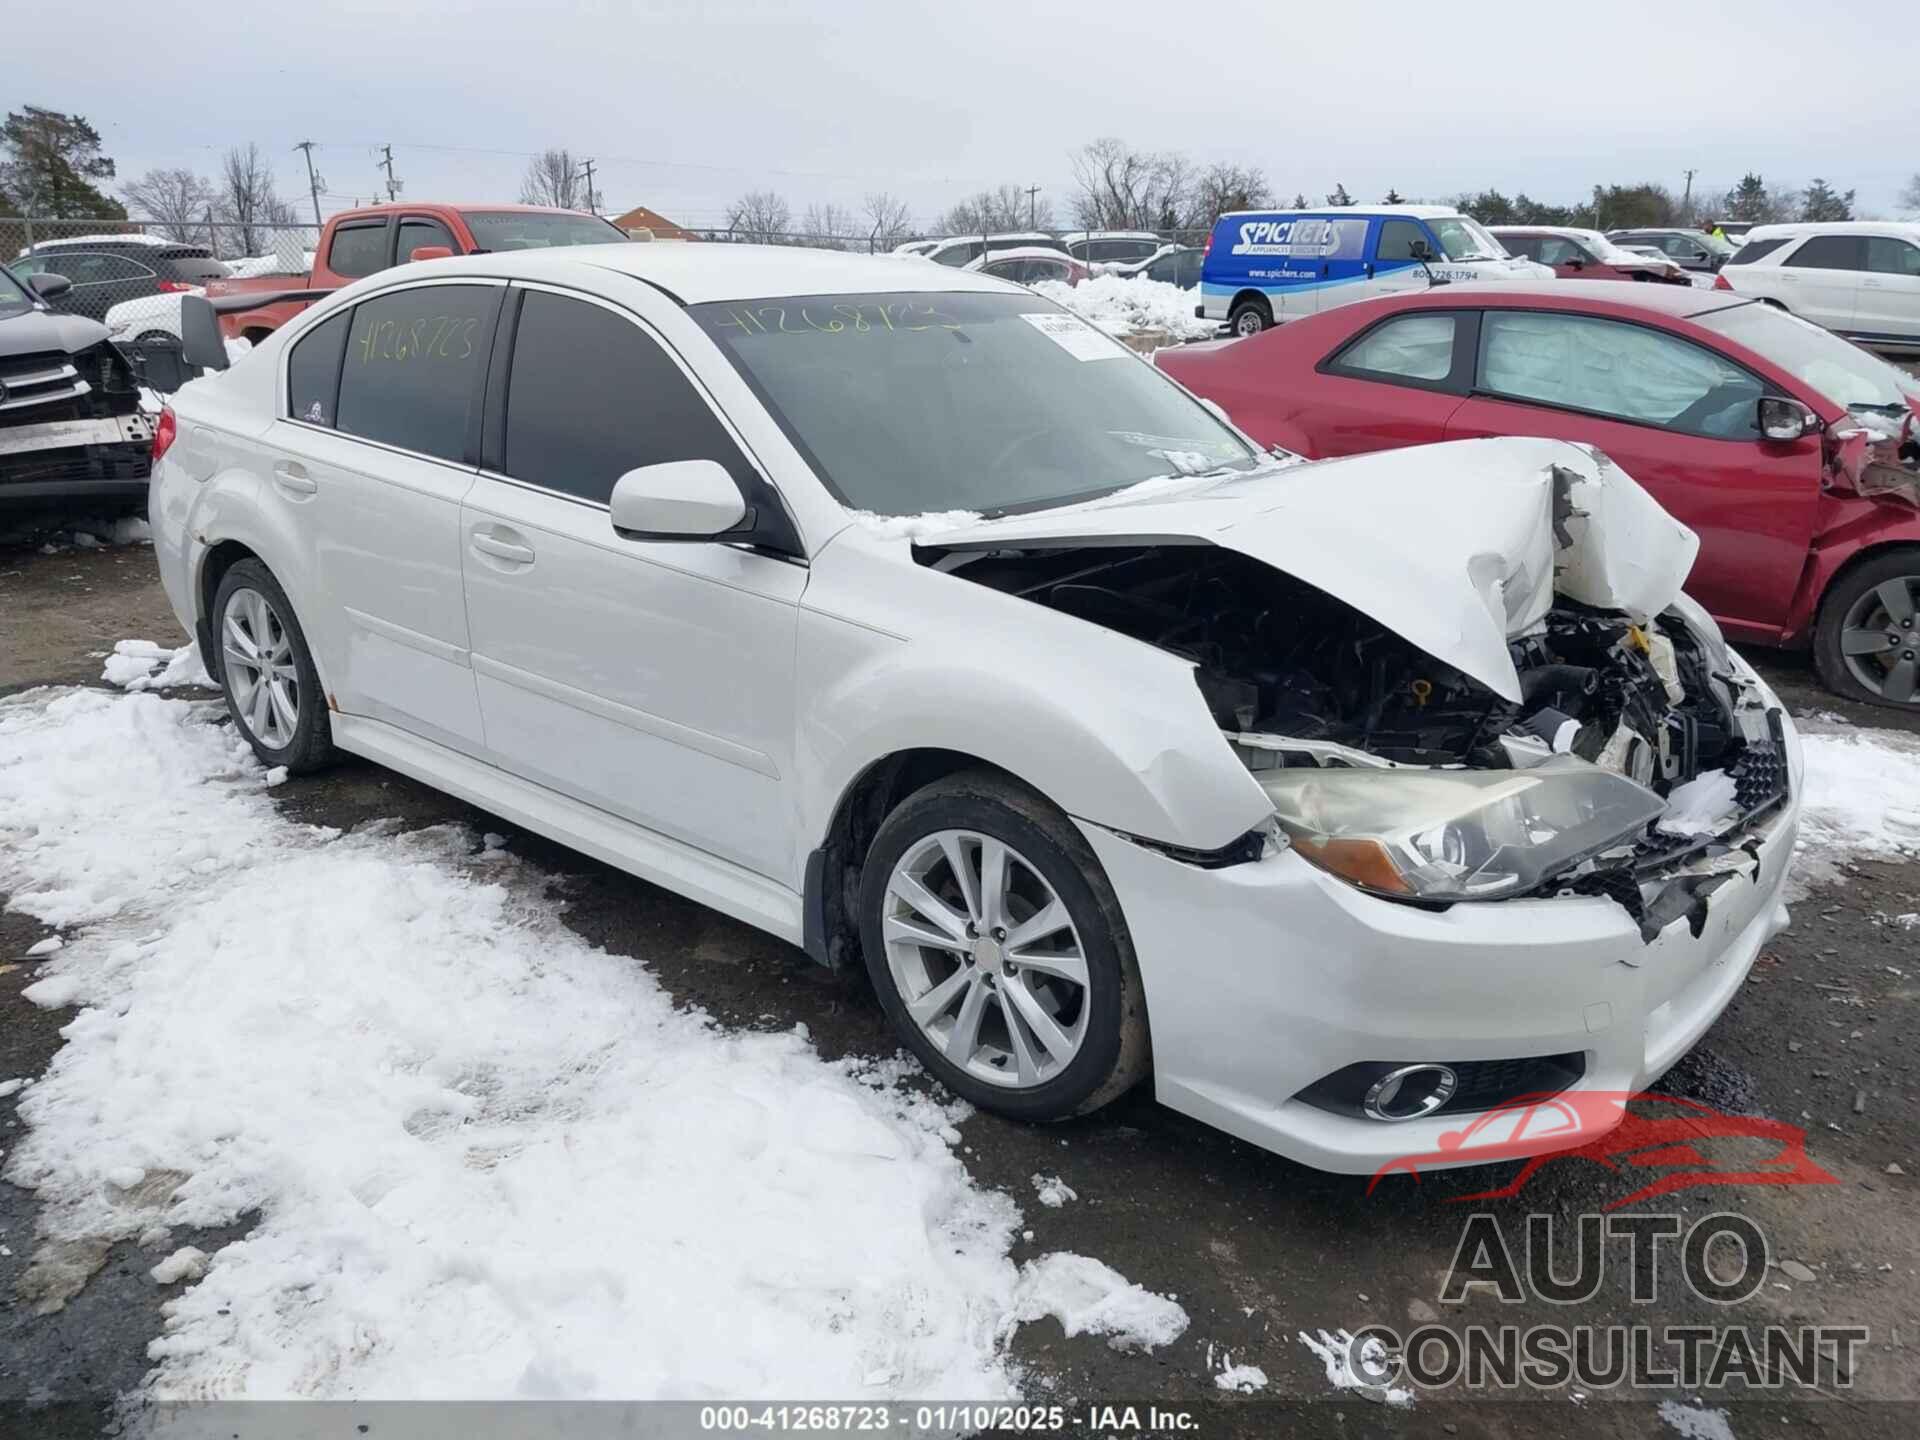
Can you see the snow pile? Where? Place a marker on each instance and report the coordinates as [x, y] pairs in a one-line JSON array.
[[1696, 1422], [143, 665], [1053, 1192], [1243, 1379], [1128, 307], [485, 1158], [1860, 798], [1335, 1351], [912, 527]]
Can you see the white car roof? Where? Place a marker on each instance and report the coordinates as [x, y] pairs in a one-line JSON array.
[[1412, 212], [1905, 229], [706, 271], [1076, 235]]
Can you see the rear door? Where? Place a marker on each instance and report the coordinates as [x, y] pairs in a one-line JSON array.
[[1889, 303], [1679, 419], [358, 248], [653, 680], [379, 446], [1820, 279]]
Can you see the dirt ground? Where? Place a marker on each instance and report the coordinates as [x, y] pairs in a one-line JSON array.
[[1256, 1249]]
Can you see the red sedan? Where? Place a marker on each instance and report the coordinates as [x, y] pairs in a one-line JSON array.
[[1793, 454]]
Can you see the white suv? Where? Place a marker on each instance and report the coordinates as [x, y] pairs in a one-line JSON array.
[[1857, 278], [1171, 756]]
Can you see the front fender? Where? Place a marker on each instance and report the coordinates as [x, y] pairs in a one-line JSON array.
[[1852, 529], [1109, 729]]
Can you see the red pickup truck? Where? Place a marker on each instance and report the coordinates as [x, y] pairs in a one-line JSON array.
[[361, 242]]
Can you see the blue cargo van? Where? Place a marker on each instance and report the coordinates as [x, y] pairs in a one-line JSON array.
[[1265, 267]]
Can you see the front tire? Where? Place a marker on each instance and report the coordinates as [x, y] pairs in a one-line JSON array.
[[273, 690], [998, 951], [1866, 644]]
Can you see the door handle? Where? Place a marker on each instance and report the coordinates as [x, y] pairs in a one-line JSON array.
[[502, 549], [291, 475]]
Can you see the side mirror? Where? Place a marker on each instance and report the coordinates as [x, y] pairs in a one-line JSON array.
[[1783, 419], [1420, 250], [49, 286], [677, 500], [429, 252], [201, 342]]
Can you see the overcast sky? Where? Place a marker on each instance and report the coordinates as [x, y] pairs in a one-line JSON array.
[[686, 105]]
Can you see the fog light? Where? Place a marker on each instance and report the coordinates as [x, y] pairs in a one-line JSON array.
[[1409, 1092]]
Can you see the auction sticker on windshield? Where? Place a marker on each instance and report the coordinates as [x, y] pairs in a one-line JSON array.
[[1074, 335]]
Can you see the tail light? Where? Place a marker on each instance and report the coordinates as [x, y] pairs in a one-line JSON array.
[[1720, 281], [1207, 249], [178, 287], [163, 432]]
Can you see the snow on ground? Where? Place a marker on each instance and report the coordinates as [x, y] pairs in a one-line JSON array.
[[1127, 307], [1696, 1422], [479, 1157], [143, 665], [1335, 1351], [1245, 1379], [1860, 799], [1052, 1191]]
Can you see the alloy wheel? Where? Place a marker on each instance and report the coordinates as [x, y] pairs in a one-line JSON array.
[[1880, 640], [986, 958], [262, 677]]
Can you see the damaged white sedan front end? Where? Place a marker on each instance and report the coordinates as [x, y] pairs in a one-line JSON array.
[[1530, 817]]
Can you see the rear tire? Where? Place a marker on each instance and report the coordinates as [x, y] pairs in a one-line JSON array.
[[1866, 643], [1250, 317], [272, 688], [1051, 1024]]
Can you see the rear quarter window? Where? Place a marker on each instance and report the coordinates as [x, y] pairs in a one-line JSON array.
[[1756, 249]]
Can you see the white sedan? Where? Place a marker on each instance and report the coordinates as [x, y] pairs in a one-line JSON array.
[[904, 615]]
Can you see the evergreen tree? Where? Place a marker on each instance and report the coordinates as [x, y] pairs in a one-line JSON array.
[[48, 163], [1820, 201]]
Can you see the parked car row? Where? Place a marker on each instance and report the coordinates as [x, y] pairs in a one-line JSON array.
[[682, 554], [1857, 278]]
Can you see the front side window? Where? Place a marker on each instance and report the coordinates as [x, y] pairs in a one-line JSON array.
[[913, 402], [1413, 347], [1557, 250], [576, 427], [13, 295], [1397, 239], [1831, 252], [417, 231], [1622, 371], [358, 250], [1683, 247], [1888, 255], [313, 371], [415, 363]]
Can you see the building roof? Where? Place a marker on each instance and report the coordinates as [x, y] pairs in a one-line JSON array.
[[641, 218]]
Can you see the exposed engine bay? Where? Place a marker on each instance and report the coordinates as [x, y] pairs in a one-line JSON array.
[[1295, 677]]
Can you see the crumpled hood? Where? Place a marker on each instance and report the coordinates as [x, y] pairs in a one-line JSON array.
[[1454, 547], [33, 332]]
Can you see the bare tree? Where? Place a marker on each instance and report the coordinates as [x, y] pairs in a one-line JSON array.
[[554, 177], [1910, 196], [1220, 188], [888, 221], [1007, 207], [246, 199], [760, 215], [828, 227], [1120, 188], [178, 199]]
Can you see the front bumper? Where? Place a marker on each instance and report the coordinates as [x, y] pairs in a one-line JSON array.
[[105, 458], [1263, 977]]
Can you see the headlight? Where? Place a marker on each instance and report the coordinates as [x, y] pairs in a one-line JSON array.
[[1457, 834], [1705, 629]]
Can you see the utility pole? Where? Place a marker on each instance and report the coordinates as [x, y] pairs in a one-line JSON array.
[[313, 179], [587, 169], [1033, 206], [1686, 201], [393, 185]]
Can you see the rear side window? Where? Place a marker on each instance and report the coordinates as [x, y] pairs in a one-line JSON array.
[[418, 230], [313, 371], [1756, 249], [415, 362], [1397, 239], [358, 250], [1831, 252], [1613, 369], [1413, 347], [577, 428], [1558, 250], [1888, 255]]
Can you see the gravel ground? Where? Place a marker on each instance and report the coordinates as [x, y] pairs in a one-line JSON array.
[[1255, 1248]]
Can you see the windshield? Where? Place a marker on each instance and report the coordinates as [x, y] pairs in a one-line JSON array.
[[12, 292], [1465, 239], [1843, 372], [536, 230], [913, 403]]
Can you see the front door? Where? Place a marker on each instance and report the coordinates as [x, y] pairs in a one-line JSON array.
[[1677, 418], [652, 680], [1889, 303]]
